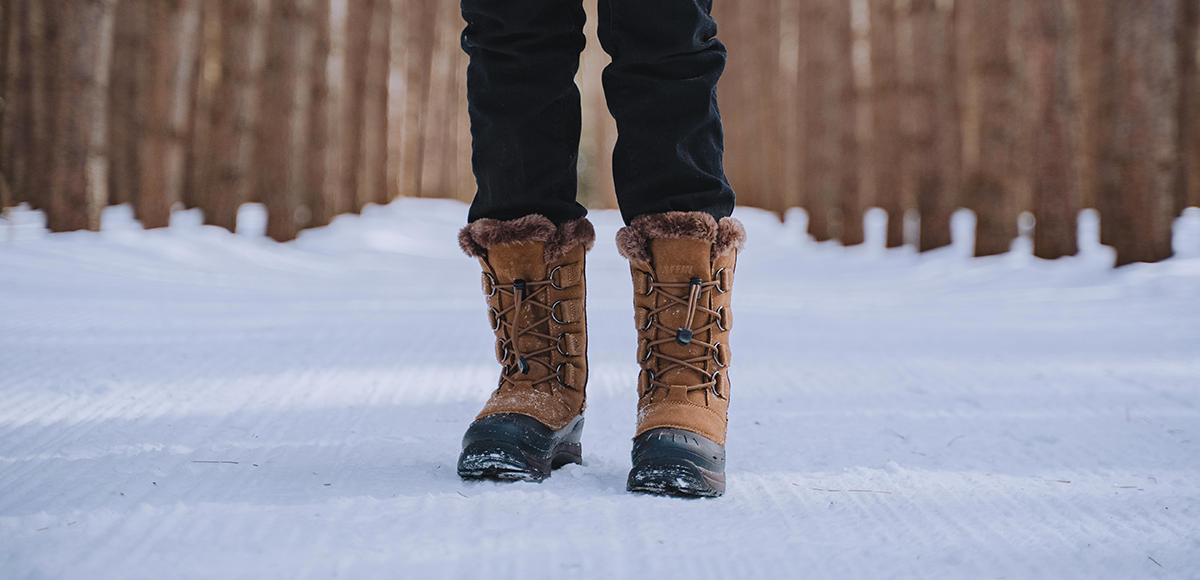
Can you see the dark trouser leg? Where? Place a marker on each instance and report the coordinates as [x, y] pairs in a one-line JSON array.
[[661, 89], [524, 106]]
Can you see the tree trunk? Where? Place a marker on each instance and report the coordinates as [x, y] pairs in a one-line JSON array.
[[10, 32], [931, 149], [991, 136], [321, 200], [205, 82], [1090, 22], [1056, 201], [1189, 106], [235, 110], [358, 35], [372, 179], [174, 36], [830, 127], [422, 17], [7, 25], [1140, 153], [887, 115], [125, 100], [439, 141], [41, 64], [79, 182], [285, 104]]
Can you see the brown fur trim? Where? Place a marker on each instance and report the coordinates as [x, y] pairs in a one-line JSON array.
[[476, 237], [731, 237], [633, 241]]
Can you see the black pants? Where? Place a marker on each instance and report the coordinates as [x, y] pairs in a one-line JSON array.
[[660, 87]]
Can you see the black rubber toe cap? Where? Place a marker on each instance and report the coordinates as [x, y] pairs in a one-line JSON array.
[[510, 446], [677, 462]]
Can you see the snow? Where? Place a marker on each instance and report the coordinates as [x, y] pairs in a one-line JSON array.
[[190, 403]]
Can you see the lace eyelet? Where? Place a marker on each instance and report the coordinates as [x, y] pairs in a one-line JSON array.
[[494, 318], [649, 378], [558, 374], [716, 379], [720, 281], [649, 323], [558, 345], [721, 318], [649, 353], [650, 281], [716, 356], [491, 284], [554, 284], [554, 312]]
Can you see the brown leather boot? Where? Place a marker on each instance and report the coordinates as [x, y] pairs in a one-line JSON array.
[[533, 276], [682, 265]]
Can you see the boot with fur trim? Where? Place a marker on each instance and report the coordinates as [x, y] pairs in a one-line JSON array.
[[533, 276], [682, 265]]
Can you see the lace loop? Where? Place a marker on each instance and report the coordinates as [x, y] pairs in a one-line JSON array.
[[690, 295], [527, 312]]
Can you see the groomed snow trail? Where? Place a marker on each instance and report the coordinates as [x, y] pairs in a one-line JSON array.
[[189, 403]]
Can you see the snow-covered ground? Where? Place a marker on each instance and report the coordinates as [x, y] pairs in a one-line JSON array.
[[189, 403]]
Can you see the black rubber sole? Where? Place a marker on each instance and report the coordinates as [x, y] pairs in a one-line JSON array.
[[677, 463], [511, 447]]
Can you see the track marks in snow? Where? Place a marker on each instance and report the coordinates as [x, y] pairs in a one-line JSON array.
[[332, 379]]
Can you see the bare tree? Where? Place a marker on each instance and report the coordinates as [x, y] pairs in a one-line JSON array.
[[321, 193], [418, 62], [285, 101], [1140, 145], [126, 101], [886, 117], [79, 182], [991, 128], [40, 35], [172, 42], [372, 179], [9, 103], [830, 122], [931, 148], [1056, 199], [1189, 105], [235, 108], [354, 81], [205, 83]]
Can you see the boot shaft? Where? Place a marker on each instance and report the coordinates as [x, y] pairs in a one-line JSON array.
[[533, 278], [682, 266]]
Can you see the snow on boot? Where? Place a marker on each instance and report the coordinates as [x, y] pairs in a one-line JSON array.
[[682, 265], [533, 276]]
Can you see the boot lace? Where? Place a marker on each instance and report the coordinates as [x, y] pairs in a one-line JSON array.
[[674, 293], [516, 361]]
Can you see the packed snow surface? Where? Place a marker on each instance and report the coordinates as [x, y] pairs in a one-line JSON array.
[[190, 403]]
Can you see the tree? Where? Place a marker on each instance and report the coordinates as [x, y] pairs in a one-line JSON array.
[[1140, 142], [372, 179], [990, 136], [932, 148], [235, 110], [78, 188], [887, 136], [285, 98], [1056, 199], [173, 38], [830, 118], [354, 81]]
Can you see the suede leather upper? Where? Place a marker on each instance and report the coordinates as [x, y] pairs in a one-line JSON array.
[[551, 319]]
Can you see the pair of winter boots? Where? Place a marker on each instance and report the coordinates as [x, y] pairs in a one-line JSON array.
[[682, 265]]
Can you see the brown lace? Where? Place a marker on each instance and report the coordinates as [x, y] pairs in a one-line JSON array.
[[525, 292], [684, 335]]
